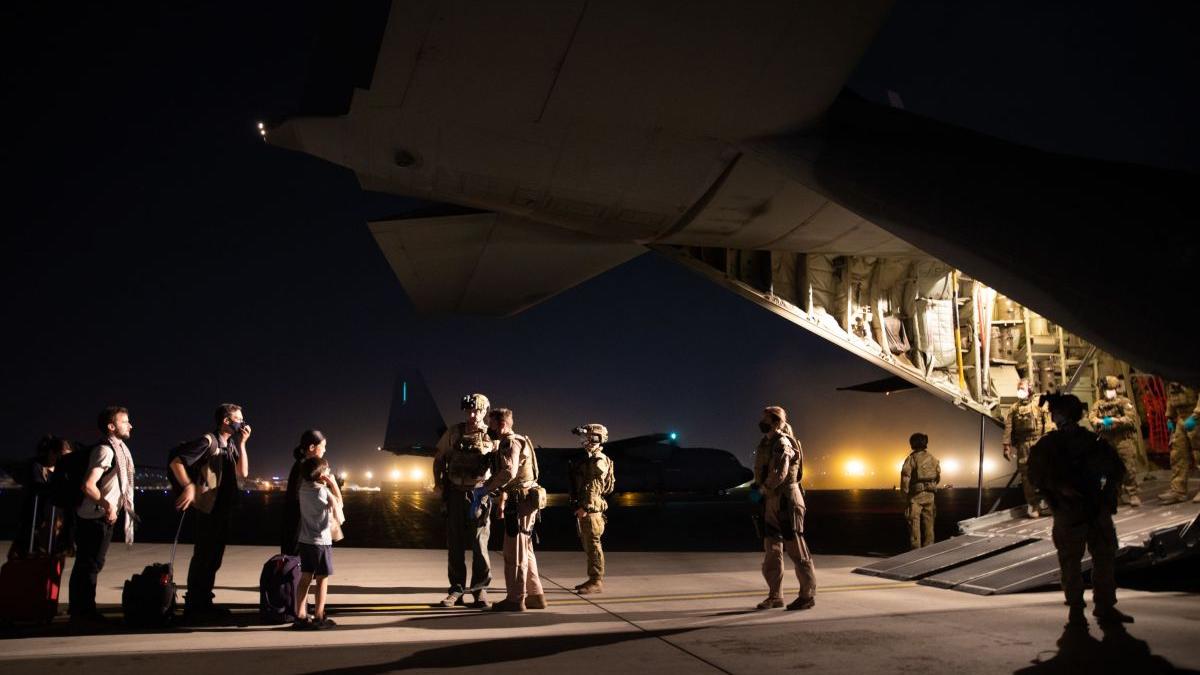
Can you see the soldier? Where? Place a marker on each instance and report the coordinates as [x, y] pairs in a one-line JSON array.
[[1079, 473], [1025, 424], [591, 479], [520, 498], [778, 468], [919, 478], [1183, 410], [1114, 418], [460, 466]]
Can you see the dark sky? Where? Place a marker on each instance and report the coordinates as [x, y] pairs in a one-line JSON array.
[[156, 253]]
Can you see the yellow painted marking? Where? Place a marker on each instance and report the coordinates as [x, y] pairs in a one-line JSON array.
[[554, 602]]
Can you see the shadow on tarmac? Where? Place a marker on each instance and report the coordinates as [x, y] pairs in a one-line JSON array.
[[1117, 652]]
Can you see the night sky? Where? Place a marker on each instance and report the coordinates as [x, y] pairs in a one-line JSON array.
[[157, 254]]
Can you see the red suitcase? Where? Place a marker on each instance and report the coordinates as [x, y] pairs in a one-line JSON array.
[[29, 586]]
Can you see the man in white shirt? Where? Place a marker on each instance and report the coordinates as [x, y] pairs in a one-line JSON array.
[[107, 492]]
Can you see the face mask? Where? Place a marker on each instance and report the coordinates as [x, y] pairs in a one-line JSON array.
[[764, 427], [1022, 394], [236, 426], [1110, 394]]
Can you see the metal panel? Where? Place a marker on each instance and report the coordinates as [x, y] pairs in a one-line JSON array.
[[942, 555], [971, 571]]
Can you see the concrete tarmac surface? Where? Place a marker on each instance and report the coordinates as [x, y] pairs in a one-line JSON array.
[[660, 612]]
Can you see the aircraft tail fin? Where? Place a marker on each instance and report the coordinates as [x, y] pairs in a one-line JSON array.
[[414, 424]]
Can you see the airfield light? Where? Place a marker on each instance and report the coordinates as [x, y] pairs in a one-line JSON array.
[[395, 474], [950, 465], [417, 474], [261, 126], [344, 475], [988, 466], [674, 436], [855, 467], [370, 475]]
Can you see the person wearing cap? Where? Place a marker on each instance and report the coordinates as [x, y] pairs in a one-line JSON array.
[[1114, 418], [461, 465], [919, 478], [1080, 474], [778, 469], [591, 479], [1025, 422], [1183, 412]]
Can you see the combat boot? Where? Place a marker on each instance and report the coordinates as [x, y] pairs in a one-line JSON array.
[[1076, 618], [1111, 615], [1032, 512], [801, 603], [454, 598], [535, 601], [590, 587], [481, 601], [770, 603], [1135, 501], [507, 605], [1171, 497]]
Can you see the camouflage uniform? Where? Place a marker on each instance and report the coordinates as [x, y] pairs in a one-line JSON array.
[[516, 478], [778, 467], [1121, 431], [919, 478], [1024, 425], [1078, 473], [1185, 444], [461, 465], [591, 479]]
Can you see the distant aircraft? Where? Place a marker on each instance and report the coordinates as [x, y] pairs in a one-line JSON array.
[[721, 137], [648, 463]]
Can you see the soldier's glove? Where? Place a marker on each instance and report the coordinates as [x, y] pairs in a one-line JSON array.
[[1190, 423], [755, 495], [1108, 422], [1170, 426]]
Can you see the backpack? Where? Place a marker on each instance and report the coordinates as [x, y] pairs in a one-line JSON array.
[[148, 599], [277, 587], [70, 473], [927, 469]]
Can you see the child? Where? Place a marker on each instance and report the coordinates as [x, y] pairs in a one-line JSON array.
[[319, 496]]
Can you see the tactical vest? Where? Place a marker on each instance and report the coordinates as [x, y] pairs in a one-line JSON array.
[[1027, 421], [526, 471], [467, 459], [592, 482], [925, 473], [1181, 401], [795, 469], [1113, 408]]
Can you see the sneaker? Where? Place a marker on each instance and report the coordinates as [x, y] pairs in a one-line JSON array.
[[324, 623], [304, 623], [481, 601], [535, 602], [452, 600], [1111, 615], [1171, 497], [802, 603], [770, 603]]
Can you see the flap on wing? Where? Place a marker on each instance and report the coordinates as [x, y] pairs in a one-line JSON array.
[[887, 385], [489, 263]]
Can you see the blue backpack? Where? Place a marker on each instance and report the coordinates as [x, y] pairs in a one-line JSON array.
[[277, 588]]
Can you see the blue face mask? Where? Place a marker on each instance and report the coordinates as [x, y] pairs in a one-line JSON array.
[[236, 426]]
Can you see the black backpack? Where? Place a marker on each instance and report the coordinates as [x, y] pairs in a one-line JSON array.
[[148, 599], [70, 472]]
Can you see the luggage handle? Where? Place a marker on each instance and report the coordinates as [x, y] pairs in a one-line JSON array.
[[33, 527], [175, 543]]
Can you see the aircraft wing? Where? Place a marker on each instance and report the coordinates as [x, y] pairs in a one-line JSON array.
[[489, 263]]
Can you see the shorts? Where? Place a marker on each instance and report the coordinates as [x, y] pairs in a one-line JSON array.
[[316, 559]]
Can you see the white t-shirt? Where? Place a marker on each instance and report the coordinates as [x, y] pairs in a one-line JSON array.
[[315, 514], [109, 484]]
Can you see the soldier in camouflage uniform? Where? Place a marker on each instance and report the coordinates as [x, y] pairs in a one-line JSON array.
[[1114, 418], [919, 478], [461, 465], [1183, 411], [1079, 473], [778, 468], [591, 479], [515, 479], [1024, 425]]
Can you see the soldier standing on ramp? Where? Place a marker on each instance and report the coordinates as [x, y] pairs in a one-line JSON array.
[[1114, 418], [1183, 411], [778, 468], [591, 479], [460, 466], [919, 478], [1025, 424]]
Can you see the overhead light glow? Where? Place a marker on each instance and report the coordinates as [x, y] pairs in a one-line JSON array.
[[417, 474], [855, 467], [370, 475], [950, 465], [988, 466], [344, 475], [395, 474]]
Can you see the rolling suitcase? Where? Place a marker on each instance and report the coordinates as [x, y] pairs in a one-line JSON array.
[[29, 586]]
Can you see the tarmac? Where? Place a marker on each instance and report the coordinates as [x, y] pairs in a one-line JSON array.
[[660, 612]]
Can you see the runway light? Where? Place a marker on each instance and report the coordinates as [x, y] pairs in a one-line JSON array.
[[370, 475], [855, 467], [950, 465], [261, 126], [674, 436], [344, 475], [417, 474], [395, 474], [988, 466]]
